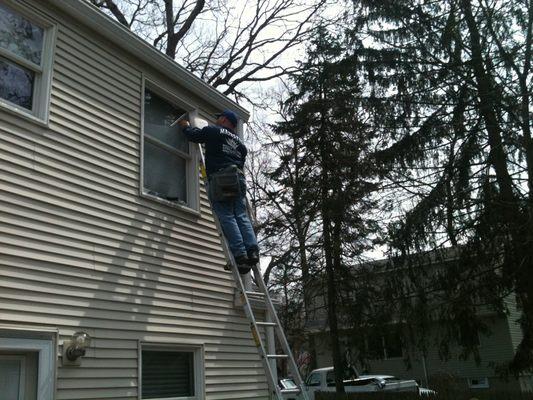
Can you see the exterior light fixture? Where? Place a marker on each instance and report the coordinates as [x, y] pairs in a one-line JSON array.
[[75, 347]]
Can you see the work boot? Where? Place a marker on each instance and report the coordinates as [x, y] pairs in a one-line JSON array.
[[253, 257], [242, 264], [244, 269]]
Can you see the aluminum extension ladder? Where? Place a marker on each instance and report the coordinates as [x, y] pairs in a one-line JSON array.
[[272, 322]]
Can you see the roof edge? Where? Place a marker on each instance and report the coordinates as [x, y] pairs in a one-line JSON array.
[[91, 16]]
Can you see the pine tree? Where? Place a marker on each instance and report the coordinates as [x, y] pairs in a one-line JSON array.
[[331, 140], [449, 89]]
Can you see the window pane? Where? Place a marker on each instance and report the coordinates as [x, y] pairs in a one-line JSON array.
[[158, 115], [16, 84], [313, 380], [468, 336], [167, 374], [393, 345], [375, 347], [164, 173], [330, 378], [20, 36], [10, 370]]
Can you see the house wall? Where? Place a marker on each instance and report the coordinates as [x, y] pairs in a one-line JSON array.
[[494, 349], [516, 335], [81, 250]]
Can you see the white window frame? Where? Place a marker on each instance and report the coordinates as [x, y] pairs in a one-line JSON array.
[[483, 383], [46, 361], [43, 73], [198, 360], [22, 377], [192, 172]]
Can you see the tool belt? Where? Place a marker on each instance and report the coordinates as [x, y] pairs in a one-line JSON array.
[[225, 184]]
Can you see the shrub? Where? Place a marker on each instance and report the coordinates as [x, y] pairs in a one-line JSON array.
[[447, 395], [368, 396]]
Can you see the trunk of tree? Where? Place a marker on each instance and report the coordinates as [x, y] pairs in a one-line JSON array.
[[486, 91], [331, 289], [525, 112], [522, 259], [299, 221], [331, 284]]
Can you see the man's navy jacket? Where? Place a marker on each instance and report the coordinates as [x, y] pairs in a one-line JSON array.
[[222, 147]]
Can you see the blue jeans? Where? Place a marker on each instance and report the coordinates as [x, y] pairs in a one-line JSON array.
[[236, 225]]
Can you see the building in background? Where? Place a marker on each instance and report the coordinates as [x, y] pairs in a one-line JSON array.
[[387, 354]]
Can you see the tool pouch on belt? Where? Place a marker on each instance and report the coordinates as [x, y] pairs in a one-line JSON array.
[[224, 184]]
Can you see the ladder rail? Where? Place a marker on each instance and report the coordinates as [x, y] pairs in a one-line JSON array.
[[274, 322], [246, 301], [257, 336], [281, 334]]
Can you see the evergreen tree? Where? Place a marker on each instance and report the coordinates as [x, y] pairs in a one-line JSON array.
[[330, 138], [449, 90]]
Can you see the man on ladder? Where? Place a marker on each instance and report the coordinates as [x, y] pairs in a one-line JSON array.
[[225, 154]]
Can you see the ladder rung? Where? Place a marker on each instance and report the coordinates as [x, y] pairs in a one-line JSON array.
[[258, 294], [277, 356], [266, 324]]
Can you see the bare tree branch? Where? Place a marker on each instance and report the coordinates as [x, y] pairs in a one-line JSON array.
[[226, 46]]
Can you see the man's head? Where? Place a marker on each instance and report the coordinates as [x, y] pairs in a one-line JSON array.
[[227, 119]]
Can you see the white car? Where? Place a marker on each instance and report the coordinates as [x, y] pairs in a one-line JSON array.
[[323, 380]]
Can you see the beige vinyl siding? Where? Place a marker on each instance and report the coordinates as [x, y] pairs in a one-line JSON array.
[[81, 250], [515, 330]]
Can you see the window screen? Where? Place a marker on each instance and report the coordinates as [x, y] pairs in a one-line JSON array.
[[19, 36], [16, 84], [23, 42], [11, 372], [18, 375], [166, 151], [167, 374]]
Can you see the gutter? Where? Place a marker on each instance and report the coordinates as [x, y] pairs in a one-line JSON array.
[[92, 17]]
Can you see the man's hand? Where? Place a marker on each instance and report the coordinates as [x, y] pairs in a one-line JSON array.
[[183, 123]]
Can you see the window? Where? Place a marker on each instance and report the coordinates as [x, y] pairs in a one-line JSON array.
[[313, 379], [478, 383], [18, 375], [469, 336], [385, 346], [170, 171], [330, 378], [26, 368], [375, 348], [25, 62], [171, 372], [393, 345]]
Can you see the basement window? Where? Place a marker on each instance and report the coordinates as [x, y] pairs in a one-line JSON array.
[[26, 44], [171, 373]]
